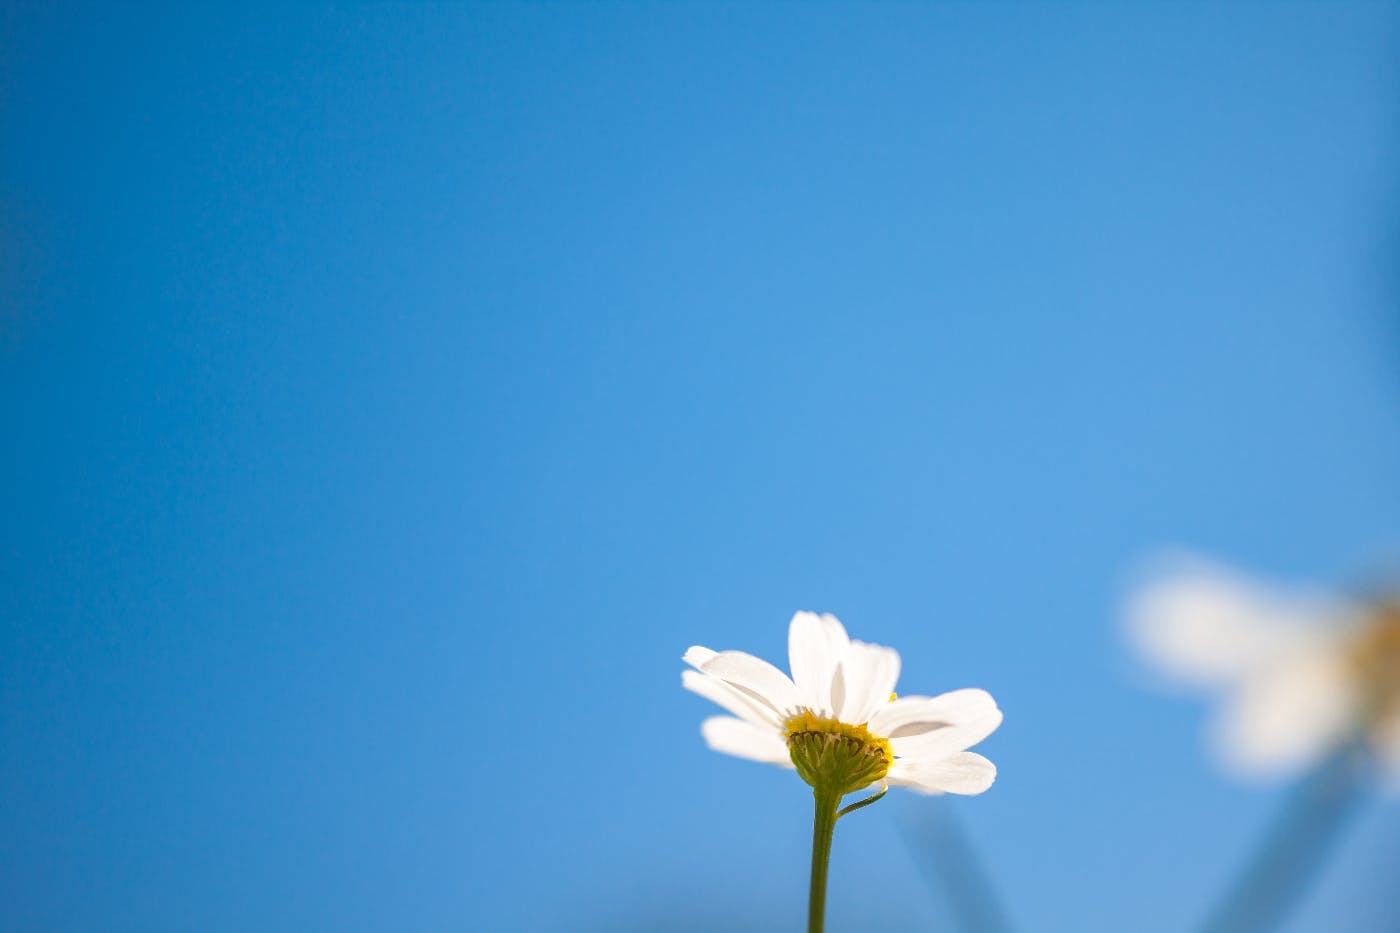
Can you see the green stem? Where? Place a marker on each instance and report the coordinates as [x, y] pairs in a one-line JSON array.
[[1296, 847], [823, 827]]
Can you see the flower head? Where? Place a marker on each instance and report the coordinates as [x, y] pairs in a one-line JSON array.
[[837, 720], [1301, 673]]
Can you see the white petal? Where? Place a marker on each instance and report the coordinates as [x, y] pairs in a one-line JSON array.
[[1290, 714], [910, 715], [865, 680], [696, 656], [1209, 625], [816, 645], [717, 691], [755, 678], [964, 773], [745, 740], [943, 725], [940, 743]]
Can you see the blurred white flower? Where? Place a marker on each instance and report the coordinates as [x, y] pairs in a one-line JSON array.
[[837, 720], [1301, 672]]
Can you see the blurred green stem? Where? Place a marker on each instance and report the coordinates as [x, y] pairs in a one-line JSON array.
[[1295, 848], [823, 828], [936, 838]]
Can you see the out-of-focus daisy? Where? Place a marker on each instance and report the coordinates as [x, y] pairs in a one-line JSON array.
[[837, 720], [1301, 672]]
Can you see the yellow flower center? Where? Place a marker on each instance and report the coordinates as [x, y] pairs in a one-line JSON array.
[[1375, 656], [834, 755]]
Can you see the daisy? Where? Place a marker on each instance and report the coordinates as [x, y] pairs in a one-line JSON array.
[[838, 723], [837, 720], [1301, 673]]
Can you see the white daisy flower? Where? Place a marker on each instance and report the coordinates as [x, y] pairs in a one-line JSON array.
[[1301, 672], [837, 720]]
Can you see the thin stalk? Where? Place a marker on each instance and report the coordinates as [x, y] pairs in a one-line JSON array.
[[1295, 847], [936, 838], [864, 803], [823, 827]]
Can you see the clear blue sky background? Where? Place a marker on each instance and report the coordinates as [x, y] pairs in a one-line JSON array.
[[390, 394]]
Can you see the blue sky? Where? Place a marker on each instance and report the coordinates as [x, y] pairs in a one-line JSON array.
[[393, 393]]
